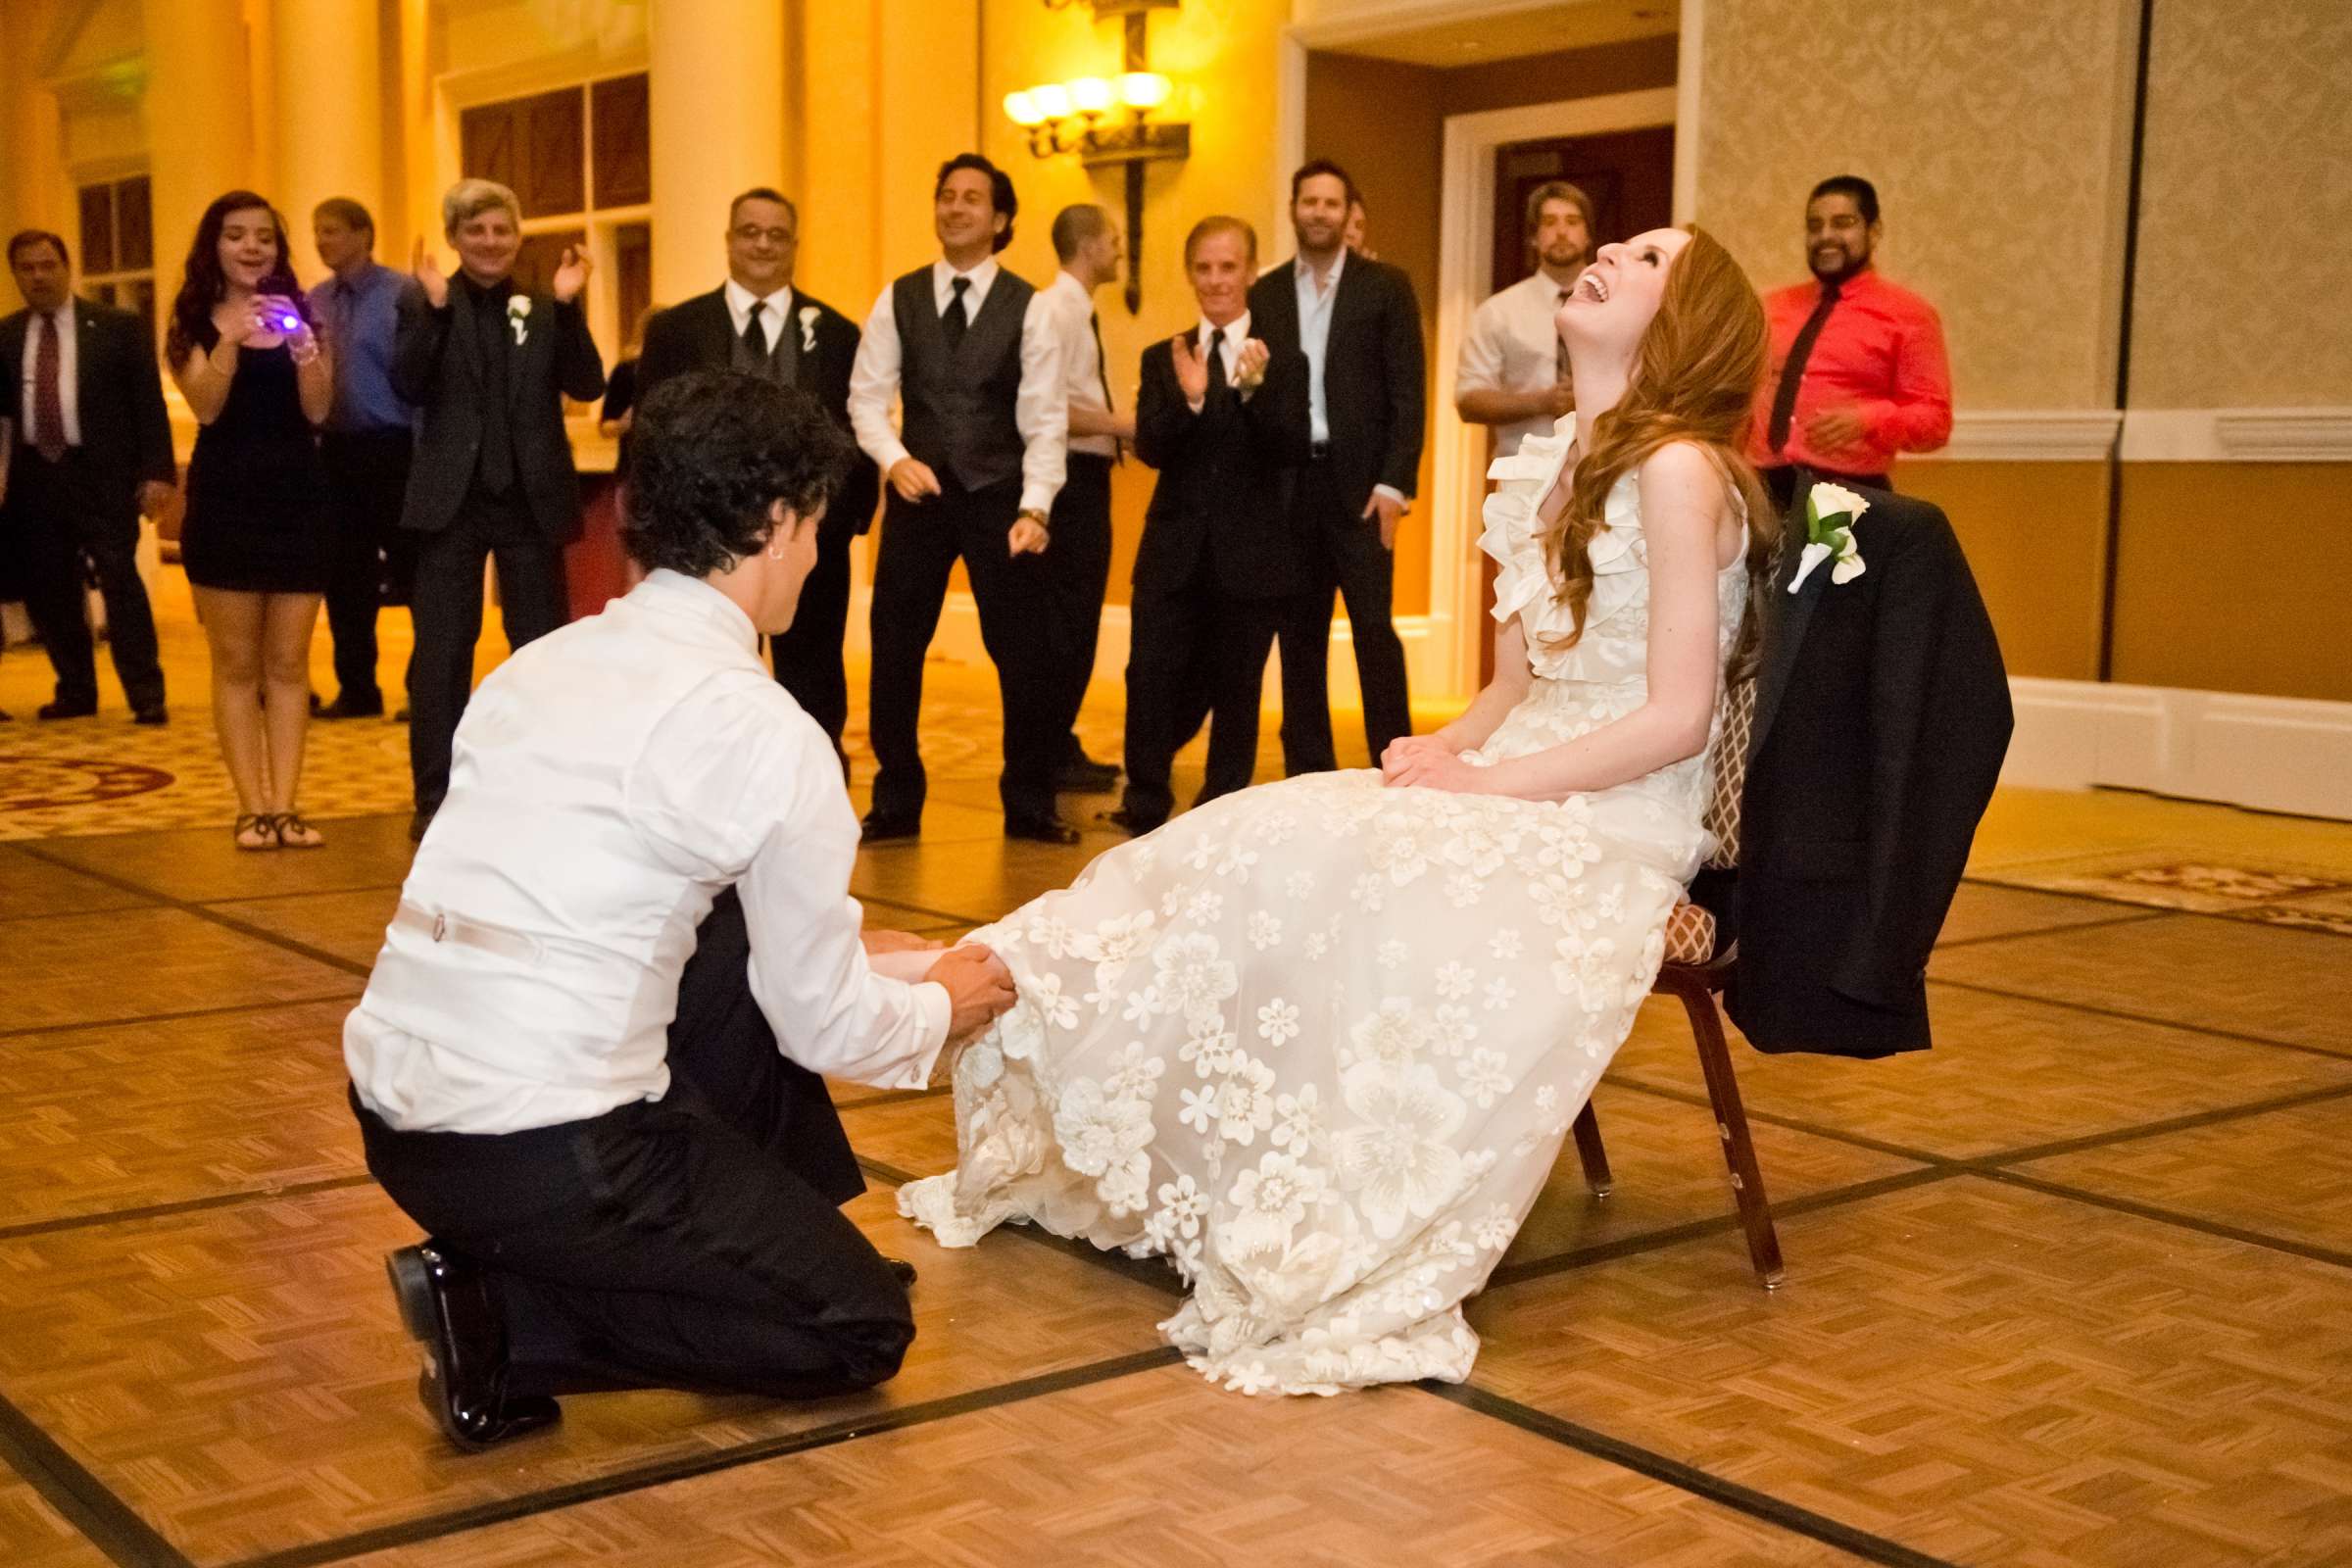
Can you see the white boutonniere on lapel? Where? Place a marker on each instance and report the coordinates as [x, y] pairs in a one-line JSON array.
[[808, 329], [518, 317], [1830, 512]]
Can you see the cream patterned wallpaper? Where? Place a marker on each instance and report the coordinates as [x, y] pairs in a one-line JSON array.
[[2245, 240], [1997, 132]]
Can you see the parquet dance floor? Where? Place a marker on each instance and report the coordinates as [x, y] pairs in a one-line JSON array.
[[2074, 1289]]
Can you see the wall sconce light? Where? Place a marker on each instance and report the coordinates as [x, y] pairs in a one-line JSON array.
[[1109, 122]]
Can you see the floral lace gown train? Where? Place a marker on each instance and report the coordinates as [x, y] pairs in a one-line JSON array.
[[1318, 1042]]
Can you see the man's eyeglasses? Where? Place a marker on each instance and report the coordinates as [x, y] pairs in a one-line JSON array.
[[752, 235]]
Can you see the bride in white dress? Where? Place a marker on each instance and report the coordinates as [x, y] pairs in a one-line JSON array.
[[1317, 1043]]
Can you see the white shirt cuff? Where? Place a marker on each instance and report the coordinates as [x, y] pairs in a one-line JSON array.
[[1037, 498], [1393, 494]]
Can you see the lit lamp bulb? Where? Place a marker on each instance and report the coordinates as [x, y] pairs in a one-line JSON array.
[[1022, 110], [1092, 95], [1142, 90], [1052, 101]]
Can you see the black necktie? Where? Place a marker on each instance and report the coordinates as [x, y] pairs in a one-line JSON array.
[[1559, 350], [956, 320], [1094, 320], [1216, 359], [755, 336], [1783, 400]]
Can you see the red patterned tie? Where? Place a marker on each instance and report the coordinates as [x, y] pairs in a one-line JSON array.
[[48, 404]]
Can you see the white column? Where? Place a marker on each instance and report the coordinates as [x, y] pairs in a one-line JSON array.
[[200, 140], [327, 63], [717, 120]]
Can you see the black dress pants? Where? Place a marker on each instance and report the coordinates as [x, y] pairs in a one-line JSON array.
[[1193, 650], [1363, 570], [447, 609], [695, 1242], [1078, 566], [60, 515], [375, 559], [808, 657], [921, 545]]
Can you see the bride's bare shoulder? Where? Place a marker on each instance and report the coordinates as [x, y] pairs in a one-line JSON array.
[[1681, 478]]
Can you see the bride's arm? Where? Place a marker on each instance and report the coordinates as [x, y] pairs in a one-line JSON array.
[[1683, 518], [1492, 706]]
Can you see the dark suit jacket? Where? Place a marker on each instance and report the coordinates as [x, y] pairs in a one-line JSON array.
[[1374, 373], [126, 434], [699, 335], [436, 365], [1225, 480], [1881, 717]]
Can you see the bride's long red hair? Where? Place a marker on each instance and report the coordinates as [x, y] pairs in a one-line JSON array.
[[1694, 378]]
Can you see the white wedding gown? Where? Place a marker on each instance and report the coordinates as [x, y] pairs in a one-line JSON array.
[[1318, 1042]]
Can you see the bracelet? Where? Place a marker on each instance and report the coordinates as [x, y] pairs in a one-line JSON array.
[[307, 355]]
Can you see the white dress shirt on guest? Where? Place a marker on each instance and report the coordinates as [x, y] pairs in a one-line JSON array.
[[68, 373], [1085, 377], [775, 311], [610, 780], [1039, 411], [1316, 300], [1512, 346]]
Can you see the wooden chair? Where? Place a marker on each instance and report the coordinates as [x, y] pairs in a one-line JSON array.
[[1694, 974]]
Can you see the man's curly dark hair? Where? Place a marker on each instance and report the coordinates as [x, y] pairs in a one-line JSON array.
[[709, 453]]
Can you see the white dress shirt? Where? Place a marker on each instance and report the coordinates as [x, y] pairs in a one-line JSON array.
[[1314, 340], [1236, 333], [68, 373], [775, 311], [1512, 346], [609, 781], [1085, 378], [1040, 413]]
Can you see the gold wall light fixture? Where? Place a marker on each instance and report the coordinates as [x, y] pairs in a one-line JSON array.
[[1110, 121]]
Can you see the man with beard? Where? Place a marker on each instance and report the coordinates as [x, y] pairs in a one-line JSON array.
[[1858, 368], [1513, 370]]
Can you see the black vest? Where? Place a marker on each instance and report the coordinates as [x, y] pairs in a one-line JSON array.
[[782, 361], [960, 404]]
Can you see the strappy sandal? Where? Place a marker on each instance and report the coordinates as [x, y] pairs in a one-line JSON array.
[[259, 822], [293, 833]]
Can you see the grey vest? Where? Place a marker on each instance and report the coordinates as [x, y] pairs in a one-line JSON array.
[[960, 404], [782, 364]]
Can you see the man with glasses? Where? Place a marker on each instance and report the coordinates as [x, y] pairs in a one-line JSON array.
[[759, 323]]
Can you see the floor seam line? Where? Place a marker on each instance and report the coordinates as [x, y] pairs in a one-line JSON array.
[[225, 921], [2096, 1010], [176, 1017], [101, 1517], [191, 1205]]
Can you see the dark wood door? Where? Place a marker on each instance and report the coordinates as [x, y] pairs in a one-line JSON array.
[[1630, 177]]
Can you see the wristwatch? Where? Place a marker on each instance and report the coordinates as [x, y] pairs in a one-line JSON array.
[[1033, 514]]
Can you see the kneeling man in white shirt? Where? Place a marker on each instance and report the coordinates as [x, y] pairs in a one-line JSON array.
[[588, 1061]]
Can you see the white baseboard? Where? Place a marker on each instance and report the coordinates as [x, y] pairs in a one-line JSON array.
[[2273, 754]]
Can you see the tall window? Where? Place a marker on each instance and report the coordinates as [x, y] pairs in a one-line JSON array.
[[118, 246], [579, 161]]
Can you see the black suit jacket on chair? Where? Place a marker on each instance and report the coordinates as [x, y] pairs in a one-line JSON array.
[[436, 365], [118, 393], [1225, 480], [1882, 718], [699, 335], [1374, 372]]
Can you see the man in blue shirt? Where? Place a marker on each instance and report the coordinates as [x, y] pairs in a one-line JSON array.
[[366, 446]]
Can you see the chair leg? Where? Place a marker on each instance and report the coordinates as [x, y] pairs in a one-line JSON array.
[[1588, 1150], [1731, 1124]]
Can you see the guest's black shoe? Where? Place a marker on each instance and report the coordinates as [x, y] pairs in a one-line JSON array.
[[151, 714], [1040, 829], [65, 710], [879, 826], [401, 717], [903, 1270], [444, 1304], [1134, 822], [419, 820], [346, 706], [1082, 775]]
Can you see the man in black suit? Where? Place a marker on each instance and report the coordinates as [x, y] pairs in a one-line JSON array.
[[91, 451], [490, 365], [1220, 564], [1359, 328], [757, 323], [971, 354], [1881, 717]]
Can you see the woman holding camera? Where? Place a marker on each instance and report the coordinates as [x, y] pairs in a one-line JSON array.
[[256, 543]]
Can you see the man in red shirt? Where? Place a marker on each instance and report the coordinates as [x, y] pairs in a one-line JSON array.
[[1858, 368]]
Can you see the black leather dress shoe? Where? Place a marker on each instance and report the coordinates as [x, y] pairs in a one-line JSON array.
[[446, 1307], [1127, 822], [1083, 775], [63, 709], [346, 706], [903, 1269], [881, 825], [1040, 829], [151, 714]]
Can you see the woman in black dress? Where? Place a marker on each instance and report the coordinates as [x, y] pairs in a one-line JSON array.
[[256, 543]]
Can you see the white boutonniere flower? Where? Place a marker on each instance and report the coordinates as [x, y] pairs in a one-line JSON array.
[[1830, 512], [808, 329], [518, 317]]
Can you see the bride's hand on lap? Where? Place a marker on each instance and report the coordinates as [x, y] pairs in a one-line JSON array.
[[1433, 767], [979, 988], [1402, 750]]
